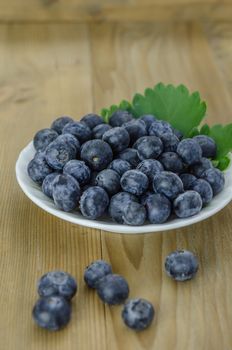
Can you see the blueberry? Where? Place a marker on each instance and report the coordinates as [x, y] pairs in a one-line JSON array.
[[150, 167], [203, 165], [99, 130], [79, 170], [71, 140], [181, 265], [145, 196], [109, 180], [187, 180], [52, 313], [138, 314], [134, 214], [92, 120], [118, 138], [134, 182], [148, 119], [204, 189], [97, 154], [47, 185], [158, 208], [113, 289], [172, 162], [59, 152], [43, 137], [130, 155], [136, 129], [95, 271], [117, 205], [120, 117], [66, 192], [60, 122], [207, 144], [94, 202], [57, 283], [80, 130], [148, 147], [120, 166], [177, 133], [215, 178], [187, 204], [190, 151], [170, 142], [38, 168], [159, 128], [168, 184]]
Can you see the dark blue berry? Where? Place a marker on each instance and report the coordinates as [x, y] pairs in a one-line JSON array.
[[159, 128], [158, 208], [80, 130], [181, 265], [207, 144], [148, 119], [58, 283], [134, 182], [118, 138], [177, 133], [71, 140], [187, 204], [131, 156], [60, 122], [199, 168], [145, 196], [59, 152], [99, 130], [95, 271], [215, 178], [97, 154], [190, 151], [43, 137], [187, 180], [204, 189], [150, 167], [109, 180], [38, 168], [52, 313], [138, 314], [66, 192], [168, 184], [170, 142], [79, 170], [94, 202], [120, 117], [120, 166], [47, 185], [113, 289], [136, 128], [172, 162], [134, 214], [117, 205], [92, 120], [148, 147]]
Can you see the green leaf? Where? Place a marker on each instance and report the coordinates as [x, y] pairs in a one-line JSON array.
[[222, 135], [223, 163], [204, 129], [193, 132]]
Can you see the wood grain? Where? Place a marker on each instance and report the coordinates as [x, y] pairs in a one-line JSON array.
[[47, 70]]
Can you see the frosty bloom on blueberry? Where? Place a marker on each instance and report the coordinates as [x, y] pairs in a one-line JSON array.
[[138, 314], [95, 271], [181, 265], [113, 289]]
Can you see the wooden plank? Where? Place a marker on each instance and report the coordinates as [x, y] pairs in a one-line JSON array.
[[45, 71], [197, 314]]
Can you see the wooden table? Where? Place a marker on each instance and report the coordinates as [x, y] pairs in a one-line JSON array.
[[54, 68]]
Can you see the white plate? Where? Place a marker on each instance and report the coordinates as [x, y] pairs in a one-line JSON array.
[[34, 192]]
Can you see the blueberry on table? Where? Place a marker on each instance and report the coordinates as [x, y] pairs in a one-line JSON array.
[[215, 178], [131, 156], [150, 167], [159, 128], [181, 265], [52, 313], [57, 283], [47, 185], [187, 180], [134, 182], [120, 117], [158, 208], [60, 122], [187, 204], [79, 170], [120, 166], [148, 147], [97, 154], [66, 192], [172, 162], [92, 120], [38, 168], [190, 151], [113, 289], [198, 168], [95, 271], [109, 180], [118, 203], [207, 144], [170, 142], [99, 130], [94, 202], [118, 138], [59, 152], [204, 189], [136, 128], [80, 130], [148, 119], [134, 214], [43, 137], [138, 314], [168, 184]]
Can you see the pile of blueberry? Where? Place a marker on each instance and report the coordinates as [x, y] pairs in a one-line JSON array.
[[136, 170], [56, 289]]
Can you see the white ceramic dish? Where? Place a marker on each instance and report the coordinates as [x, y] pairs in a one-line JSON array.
[[34, 192]]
